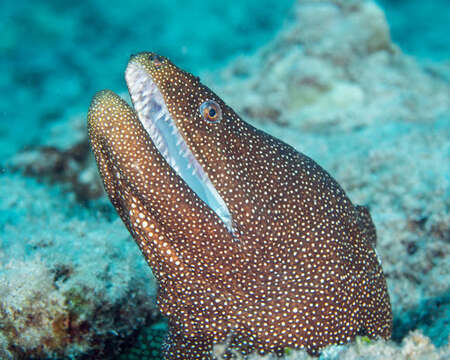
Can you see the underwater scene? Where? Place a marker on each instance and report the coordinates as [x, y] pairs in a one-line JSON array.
[[151, 221]]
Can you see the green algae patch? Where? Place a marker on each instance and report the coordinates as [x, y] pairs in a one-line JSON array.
[[364, 339]]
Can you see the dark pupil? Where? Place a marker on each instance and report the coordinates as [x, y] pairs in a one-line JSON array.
[[212, 112]]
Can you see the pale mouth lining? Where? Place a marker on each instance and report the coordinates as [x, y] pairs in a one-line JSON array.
[[157, 121]]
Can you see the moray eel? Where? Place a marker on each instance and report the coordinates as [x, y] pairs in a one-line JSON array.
[[253, 244]]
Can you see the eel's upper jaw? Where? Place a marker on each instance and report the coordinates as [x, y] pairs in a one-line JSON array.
[[155, 117]]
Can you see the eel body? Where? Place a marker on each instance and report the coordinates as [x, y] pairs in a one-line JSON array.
[[253, 244]]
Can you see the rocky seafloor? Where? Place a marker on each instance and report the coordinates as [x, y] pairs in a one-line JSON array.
[[333, 84]]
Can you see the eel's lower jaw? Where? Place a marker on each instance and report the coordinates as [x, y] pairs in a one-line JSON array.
[[153, 114]]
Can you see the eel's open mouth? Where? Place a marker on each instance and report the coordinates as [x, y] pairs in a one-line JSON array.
[[157, 121]]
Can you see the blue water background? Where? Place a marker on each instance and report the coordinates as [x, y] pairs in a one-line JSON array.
[[56, 54]]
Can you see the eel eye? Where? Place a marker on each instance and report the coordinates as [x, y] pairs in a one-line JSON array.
[[211, 111], [156, 60]]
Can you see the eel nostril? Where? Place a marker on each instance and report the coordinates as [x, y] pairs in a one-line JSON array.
[[156, 59]]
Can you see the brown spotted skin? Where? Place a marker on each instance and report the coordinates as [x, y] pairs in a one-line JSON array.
[[300, 270]]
